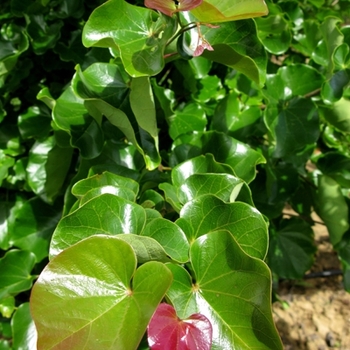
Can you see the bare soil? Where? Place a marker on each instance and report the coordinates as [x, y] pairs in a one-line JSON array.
[[315, 313]]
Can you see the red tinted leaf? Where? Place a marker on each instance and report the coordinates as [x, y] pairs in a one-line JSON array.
[[167, 332], [169, 7]]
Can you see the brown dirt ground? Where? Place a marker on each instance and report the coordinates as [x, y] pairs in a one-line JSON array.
[[315, 313]]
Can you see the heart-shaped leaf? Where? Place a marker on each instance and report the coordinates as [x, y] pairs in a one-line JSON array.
[[230, 288], [82, 187], [141, 50], [224, 186], [292, 249], [208, 213], [238, 155], [167, 332], [106, 213], [170, 236], [15, 269], [91, 296]]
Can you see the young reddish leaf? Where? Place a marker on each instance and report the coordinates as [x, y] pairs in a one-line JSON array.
[[169, 7], [167, 332]]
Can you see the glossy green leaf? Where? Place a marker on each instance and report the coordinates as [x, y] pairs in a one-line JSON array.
[[11, 47], [293, 125], [231, 289], [6, 163], [170, 237], [238, 155], [237, 45], [232, 120], [35, 122], [209, 213], [332, 38], [292, 249], [145, 248], [15, 269], [43, 34], [332, 208], [140, 42], [70, 114], [224, 186], [34, 225], [338, 115], [106, 214], [101, 81], [275, 34], [291, 81], [211, 11], [82, 187], [9, 208], [143, 107], [198, 165], [337, 166], [47, 168], [191, 118], [333, 89], [170, 194], [23, 329], [95, 298]]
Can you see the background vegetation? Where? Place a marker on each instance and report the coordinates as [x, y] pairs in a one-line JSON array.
[[105, 138]]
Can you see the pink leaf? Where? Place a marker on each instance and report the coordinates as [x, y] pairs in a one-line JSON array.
[[167, 332], [169, 7]]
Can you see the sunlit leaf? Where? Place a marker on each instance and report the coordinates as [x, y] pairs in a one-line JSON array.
[[64, 298]]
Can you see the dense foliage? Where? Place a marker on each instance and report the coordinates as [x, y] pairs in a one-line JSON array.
[[147, 158]]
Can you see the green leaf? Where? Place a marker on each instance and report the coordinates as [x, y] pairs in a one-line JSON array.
[[145, 248], [6, 163], [107, 214], [333, 89], [332, 38], [43, 34], [34, 225], [95, 298], [232, 289], [337, 166], [143, 107], [140, 42], [47, 168], [103, 81], [35, 122], [291, 81], [191, 118], [211, 11], [170, 237], [198, 165], [13, 42], [236, 45], [293, 125], [338, 115], [82, 187], [238, 155], [70, 114], [9, 208], [15, 268], [292, 249], [232, 120], [208, 213], [332, 208], [224, 186], [275, 34], [23, 329]]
